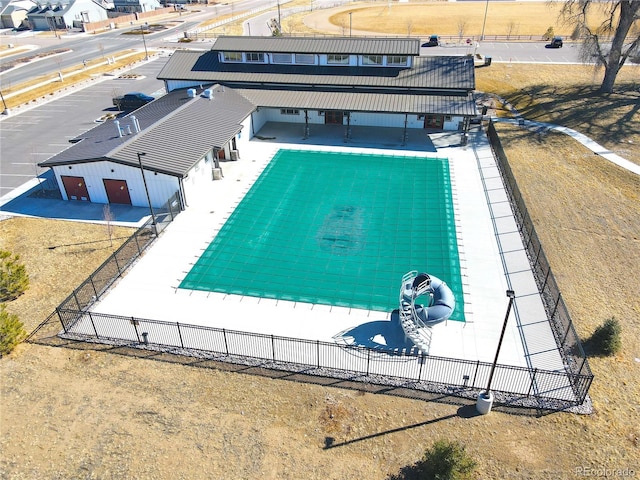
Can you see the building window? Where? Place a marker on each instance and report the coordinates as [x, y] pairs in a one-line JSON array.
[[306, 58], [338, 59], [254, 57], [421, 116], [282, 58], [372, 59], [231, 56], [289, 111], [397, 60], [321, 113]]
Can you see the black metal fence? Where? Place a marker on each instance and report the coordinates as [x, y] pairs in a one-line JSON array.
[[564, 332], [515, 386], [106, 274]]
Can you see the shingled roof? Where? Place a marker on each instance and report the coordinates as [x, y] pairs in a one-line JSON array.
[[176, 131]]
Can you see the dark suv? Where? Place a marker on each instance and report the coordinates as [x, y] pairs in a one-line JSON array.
[[131, 101], [433, 41], [556, 42]]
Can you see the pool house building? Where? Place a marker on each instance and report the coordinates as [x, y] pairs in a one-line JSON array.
[[219, 99]]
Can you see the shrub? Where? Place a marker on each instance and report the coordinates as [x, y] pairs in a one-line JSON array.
[[14, 279], [12, 331], [447, 461], [606, 339]]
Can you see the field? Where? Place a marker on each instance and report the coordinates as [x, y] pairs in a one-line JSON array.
[[95, 412], [442, 18]]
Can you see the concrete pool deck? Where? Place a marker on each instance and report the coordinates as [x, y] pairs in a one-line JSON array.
[[492, 256]]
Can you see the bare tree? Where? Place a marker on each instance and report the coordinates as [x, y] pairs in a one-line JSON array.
[[462, 26], [107, 217], [512, 28], [621, 25], [409, 27]]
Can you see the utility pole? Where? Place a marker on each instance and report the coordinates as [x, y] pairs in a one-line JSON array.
[[146, 54], [484, 22]]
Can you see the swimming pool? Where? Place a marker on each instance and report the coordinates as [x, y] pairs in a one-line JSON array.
[[336, 228]]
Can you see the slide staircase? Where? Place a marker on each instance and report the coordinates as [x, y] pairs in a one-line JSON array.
[[412, 325]]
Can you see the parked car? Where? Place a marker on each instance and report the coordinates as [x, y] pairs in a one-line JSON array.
[[433, 41], [131, 101], [556, 42]]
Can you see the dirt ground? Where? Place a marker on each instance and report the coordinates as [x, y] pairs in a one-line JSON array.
[[96, 413]]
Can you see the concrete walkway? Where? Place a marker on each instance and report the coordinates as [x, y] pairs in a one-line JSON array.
[[579, 137]]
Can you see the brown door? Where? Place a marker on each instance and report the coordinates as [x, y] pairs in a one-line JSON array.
[[221, 154], [76, 188], [117, 191], [333, 117], [433, 121]]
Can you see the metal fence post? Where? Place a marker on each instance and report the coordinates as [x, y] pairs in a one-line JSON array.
[[368, 359], [93, 325], [75, 297], [115, 259], [318, 353], [273, 349], [134, 322], [533, 380], [421, 362], [93, 285], [64, 327], [475, 374], [180, 335], [226, 345]]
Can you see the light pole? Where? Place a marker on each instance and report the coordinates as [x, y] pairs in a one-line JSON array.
[[485, 399], [146, 55], [146, 189], [350, 13], [484, 22]]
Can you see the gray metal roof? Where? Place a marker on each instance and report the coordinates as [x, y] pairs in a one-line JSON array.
[[363, 102], [427, 74], [337, 45], [176, 131]]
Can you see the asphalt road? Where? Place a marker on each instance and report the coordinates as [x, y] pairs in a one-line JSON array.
[[36, 134], [523, 52]]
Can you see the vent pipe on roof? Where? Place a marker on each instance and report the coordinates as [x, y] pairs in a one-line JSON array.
[[208, 93], [136, 126], [191, 93], [128, 129], [117, 124]]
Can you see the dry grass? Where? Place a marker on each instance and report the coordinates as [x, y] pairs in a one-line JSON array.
[[443, 18], [54, 272], [571, 99]]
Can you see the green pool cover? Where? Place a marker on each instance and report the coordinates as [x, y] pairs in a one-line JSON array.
[[338, 229]]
